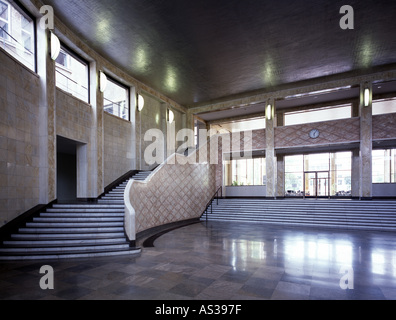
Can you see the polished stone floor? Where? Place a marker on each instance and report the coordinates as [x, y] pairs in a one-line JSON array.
[[224, 261]]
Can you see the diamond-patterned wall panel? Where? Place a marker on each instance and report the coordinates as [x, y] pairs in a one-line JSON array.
[[175, 193], [339, 131], [384, 126]]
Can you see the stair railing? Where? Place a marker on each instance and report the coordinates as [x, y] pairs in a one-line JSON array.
[[210, 203]]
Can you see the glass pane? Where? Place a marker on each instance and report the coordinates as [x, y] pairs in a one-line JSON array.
[[341, 174], [3, 10], [294, 184], [318, 115], [384, 106], [294, 163], [310, 184], [72, 76], [115, 100], [316, 162], [393, 166], [379, 166], [294, 172], [249, 172], [241, 168], [258, 176], [18, 31], [3, 30]]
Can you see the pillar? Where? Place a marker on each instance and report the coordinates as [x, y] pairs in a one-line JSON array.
[[355, 178], [47, 130], [270, 149], [366, 142]]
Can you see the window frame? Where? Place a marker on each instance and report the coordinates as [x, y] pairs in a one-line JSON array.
[[318, 109], [16, 5], [128, 97], [392, 169], [378, 101], [6, 21], [80, 59]]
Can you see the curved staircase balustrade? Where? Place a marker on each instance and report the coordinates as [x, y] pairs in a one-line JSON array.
[[177, 190]]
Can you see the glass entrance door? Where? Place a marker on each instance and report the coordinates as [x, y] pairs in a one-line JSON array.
[[316, 184]]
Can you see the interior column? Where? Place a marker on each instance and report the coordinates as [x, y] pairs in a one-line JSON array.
[[270, 149], [366, 141]]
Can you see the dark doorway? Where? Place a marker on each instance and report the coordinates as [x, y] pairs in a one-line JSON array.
[[66, 170]]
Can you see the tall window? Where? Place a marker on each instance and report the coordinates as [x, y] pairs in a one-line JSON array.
[[318, 115], [384, 166], [17, 35], [116, 99], [72, 74], [245, 172]]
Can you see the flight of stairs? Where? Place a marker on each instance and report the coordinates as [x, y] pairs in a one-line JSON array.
[[342, 214], [67, 231]]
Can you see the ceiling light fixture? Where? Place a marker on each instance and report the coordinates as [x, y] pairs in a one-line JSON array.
[[55, 46]]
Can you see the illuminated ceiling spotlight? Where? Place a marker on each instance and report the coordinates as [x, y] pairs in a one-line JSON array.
[[140, 102], [55, 46], [171, 116], [102, 81]]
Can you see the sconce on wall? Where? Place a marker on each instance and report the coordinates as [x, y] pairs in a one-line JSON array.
[[367, 97], [140, 103], [269, 112], [171, 116], [102, 81], [55, 46]]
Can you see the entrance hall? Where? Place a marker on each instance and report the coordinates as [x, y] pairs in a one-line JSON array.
[[224, 261]]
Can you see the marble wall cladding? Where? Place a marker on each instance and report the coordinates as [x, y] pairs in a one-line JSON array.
[[153, 116], [19, 139], [331, 132], [384, 126], [175, 192], [119, 148], [74, 118]]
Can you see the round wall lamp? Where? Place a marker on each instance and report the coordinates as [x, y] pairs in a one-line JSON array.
[[102, 81], [140, 103], [55, 46]]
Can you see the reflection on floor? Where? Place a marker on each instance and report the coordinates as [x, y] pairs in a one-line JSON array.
[[224, 261]]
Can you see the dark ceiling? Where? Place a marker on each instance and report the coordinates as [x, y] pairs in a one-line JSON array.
[[198, 51]]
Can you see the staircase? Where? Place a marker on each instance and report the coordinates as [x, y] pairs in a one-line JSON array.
[[67, 231], [116, 196], [342, 214]]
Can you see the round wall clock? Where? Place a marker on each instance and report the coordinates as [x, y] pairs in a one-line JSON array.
[[314, 134]]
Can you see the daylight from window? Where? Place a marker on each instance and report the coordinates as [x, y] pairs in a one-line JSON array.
[[245, 172], [72, 75], [318, 115], [17, 34], [318, 175], [384, 106], [384, 166], [116, 100]]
